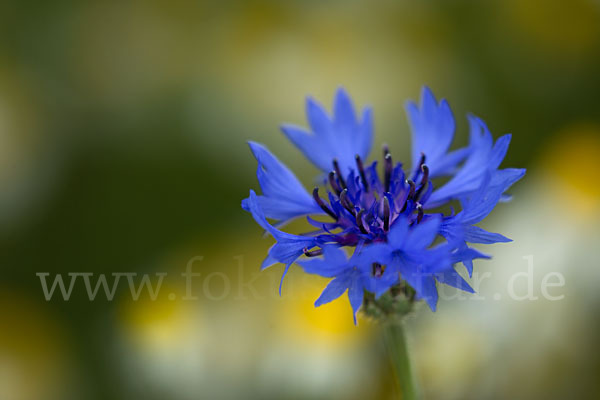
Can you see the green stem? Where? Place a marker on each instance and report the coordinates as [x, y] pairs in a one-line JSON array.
[[395, 342]]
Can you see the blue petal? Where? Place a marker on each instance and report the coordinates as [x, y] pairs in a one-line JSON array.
[[484, 156], [483, 201], [435, 259], [332, 264], [466, 255], [270, 260], [448, 164], [489, 194], [335, 255], [424, 285], [284, 197], [432, 127], [308, 144], [469, 266], [341, 137], [334, 289], [381, 253], [499, 151], [411, 272], [459, 229], [355, 295], [285, 271], [505, 178], [429, 292], [377, 252], [317, 118], [380, 285], [422, 235], [398, 232], [318, 266], [451, 278], [288, 247], [364, 141], [474, 234]]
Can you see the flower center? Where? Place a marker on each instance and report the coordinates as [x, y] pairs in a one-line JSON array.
[[364, 208]]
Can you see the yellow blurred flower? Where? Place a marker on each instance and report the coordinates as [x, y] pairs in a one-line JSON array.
[[572, 166], [330, 323], [33, 353]]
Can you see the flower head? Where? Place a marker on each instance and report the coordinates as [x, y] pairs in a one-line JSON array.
[[386, 215]]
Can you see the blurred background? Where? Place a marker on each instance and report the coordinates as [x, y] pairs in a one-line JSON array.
[[122, 150]]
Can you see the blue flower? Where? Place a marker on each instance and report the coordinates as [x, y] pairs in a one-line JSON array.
[[384, 215]]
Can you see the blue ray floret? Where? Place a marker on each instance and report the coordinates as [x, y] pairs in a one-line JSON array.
[[378, 227], [340, 137], [432, 132], [284, 198]]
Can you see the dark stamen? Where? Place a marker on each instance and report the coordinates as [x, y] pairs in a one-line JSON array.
[[424, 180], [386, 150], [312, 253], [361, 223], [346, 203], [377, 270], [361, 170], [388, 165], [425, 170], [422, 160], [386, 214], [336, 167], [333, 183], [420, 213], [411, 192], [322, 204]]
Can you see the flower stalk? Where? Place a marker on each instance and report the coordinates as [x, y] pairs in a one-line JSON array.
[[397, 349]]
